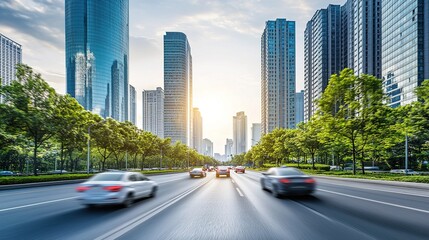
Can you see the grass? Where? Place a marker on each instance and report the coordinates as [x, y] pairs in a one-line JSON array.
[[6, 180]]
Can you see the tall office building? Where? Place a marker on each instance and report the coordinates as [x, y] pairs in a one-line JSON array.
[[197, 131], [256, 133], [97, 47], [153, 111], [239, 136], [10, 56], [322, 54], [405, 44], [339, 37], [133, 105], [299, 107], [228, 149], [207, 147], [278, 75], [178, 88]]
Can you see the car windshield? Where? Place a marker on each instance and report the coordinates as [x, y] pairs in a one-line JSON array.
[[197, 170], [289, 172], [107, 177], [222, 168]]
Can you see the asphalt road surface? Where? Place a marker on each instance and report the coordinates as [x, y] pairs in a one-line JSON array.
[[221, 208]]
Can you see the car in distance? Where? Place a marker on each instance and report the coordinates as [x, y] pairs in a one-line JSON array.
[[115, 188], [6, 173], [222, 170], [240, 169], [197, 172], [287, 181]]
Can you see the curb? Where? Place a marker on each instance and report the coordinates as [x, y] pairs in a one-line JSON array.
[[62, 182], [424, 186]]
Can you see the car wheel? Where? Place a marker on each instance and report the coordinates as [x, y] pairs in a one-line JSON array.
[[263, 185], [128, 201], [217, 175], [191, 176], [153, 192], [227, 175], [274, 192], [244, 171], [90, 206]]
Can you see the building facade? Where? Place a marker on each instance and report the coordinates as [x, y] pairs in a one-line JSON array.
[[207, 147], [278, 75], [197, 131], [10, 56], [405, 44], [133, 105], [228, 149], [256, 133], [97, 55], [239, 136], [178, 88], [299, 107], [153, 111]]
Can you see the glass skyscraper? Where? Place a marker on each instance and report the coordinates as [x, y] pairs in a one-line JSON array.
[[405, 44], [177, 88], [10, 56], [278, 75], [97, 46], [133, 105]]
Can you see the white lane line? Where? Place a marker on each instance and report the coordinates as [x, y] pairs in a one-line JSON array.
[[381, 190], [239, 192], [232, 180], [128, 226], [36, 204], [375, 201]]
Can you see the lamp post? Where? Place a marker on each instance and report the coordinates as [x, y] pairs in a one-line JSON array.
[[406, 153]]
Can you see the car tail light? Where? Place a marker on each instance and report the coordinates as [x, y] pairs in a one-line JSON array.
[[310, 180], [113, 188], [284, 180], [82, 188]]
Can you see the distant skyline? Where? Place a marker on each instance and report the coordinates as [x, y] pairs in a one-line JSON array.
[[224, 36]]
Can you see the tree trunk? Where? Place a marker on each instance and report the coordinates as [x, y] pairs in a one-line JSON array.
[[35, 163], [312, 160]]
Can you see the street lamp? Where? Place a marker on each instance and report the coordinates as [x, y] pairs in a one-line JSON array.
[[89, 144]]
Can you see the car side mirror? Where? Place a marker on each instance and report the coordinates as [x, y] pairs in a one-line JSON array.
[[265, 173]]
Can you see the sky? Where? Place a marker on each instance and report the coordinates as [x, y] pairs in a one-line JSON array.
[[224, 36]]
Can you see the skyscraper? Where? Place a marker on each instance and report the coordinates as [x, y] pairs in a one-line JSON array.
[[97, 46], [10, 56], [405, 45], [133, 105], [299, 107], [153, 111], [239, 136], [207, 147], [197, 131], [256, 133], [228, 149], [322, 50], [278, 75], [178, 88]]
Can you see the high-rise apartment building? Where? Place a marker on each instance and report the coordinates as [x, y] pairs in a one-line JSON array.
[[10, 56], [405, 45], [207, 147], [278, 75], [153, 111], [256, 133], [339, 37], [322, 54], [228, 149], [133, 105], [178, 88], [197, 130], [97, 46], [299, 107], [239, 136]]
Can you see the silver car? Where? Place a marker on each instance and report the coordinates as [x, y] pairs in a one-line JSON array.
[[197, 172], [115, 188]]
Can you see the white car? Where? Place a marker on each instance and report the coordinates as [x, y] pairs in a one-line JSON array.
[[115, 188]]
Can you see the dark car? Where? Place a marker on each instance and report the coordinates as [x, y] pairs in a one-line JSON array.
[[240, 169], [222, 170], [287, 181], [197, 172], [6, 173]]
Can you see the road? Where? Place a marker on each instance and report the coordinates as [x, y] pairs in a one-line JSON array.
[[221, 208]]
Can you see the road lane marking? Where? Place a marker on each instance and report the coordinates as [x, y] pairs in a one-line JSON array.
[[128, 226], [36, 204], [239, 192], [375, 201], [232, 180]]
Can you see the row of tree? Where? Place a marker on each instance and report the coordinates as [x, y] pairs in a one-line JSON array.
[[39, 127], [353, 125]]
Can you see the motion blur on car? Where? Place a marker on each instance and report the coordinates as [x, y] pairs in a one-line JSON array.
[[287, 181], [197, 172], [240, 169], [222, 171], [6, 173], [117, 188]]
